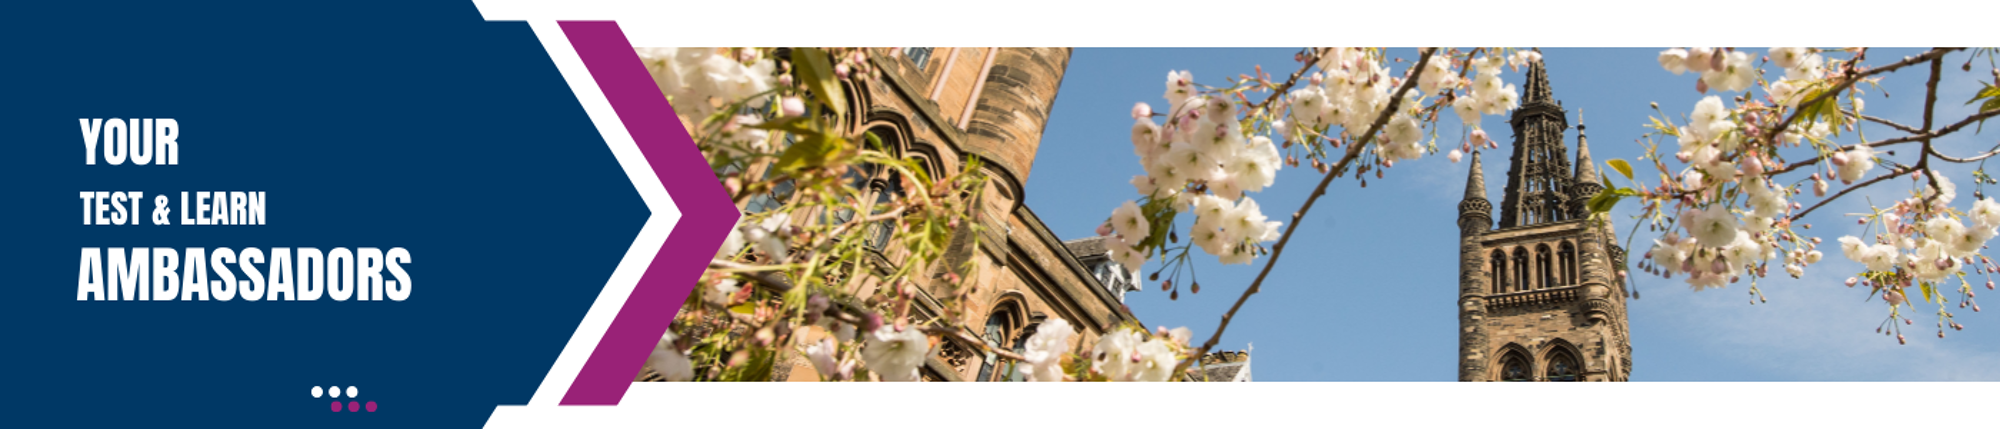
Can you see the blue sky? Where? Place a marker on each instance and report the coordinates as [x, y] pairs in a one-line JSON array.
[[1367, 290]]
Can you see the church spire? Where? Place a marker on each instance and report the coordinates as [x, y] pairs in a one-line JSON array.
[[1539, 176], [1538, 85]]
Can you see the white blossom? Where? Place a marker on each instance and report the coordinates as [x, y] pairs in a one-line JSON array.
[[765, 235], [667, 360], [1858, 161], [1131, 223], [1985, 213], [1787, 57], [1467, 109], [1044, 350], [1180, 86], [1810, 68], [1156, 361], [821, 354], [1674, 60], [1700, 60], [1714, 225], [895, 354], [1115, 354], [696, 80]]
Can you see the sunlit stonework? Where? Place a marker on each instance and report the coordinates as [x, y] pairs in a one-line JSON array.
[[1539, 297]]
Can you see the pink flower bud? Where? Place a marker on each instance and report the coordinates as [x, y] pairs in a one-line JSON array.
[[1103, 230], [841, 70], [792, 106], [1455, 155], [1142, 110], [1851, 281], [871, 323], [1683, 156], [1479, 137], [1839, 158], [785, 80]]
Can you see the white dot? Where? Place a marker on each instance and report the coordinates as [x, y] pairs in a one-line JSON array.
[[352, 393], [317, 392], [335, 391]]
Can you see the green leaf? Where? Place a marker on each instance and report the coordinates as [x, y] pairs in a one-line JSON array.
[[810, 66], [1992, 96], [813, 152], [1604, 201], [744, 308], [1989, 92], [1622, 167], [1927, 291]]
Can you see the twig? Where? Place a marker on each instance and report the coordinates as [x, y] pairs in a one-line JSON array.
[[1891, 124], [1863, 184]]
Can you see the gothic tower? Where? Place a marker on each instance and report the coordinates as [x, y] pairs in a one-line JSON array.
[[1539, 297]]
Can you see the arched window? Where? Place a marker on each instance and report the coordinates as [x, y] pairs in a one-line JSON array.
[[1544, 267], [1520, 271], [1569, 264], [1562, 366], [1514, 367], [999, 332], [1499, 277], [877, 183]]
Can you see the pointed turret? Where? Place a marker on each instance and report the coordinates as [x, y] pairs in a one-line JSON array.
[[1585, 185], [1475, 182], [1475, 213], [1586, 172]]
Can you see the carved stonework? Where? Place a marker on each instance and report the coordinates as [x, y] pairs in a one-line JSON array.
[[955, 355]]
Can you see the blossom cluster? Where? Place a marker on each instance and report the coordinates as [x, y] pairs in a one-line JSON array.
[[895, 353], [699, 81], [1202, 161], [1736, 218], [1214, 146]]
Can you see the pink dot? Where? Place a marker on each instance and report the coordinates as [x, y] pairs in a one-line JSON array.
[[353, 406], [336, 406], [371, 406]]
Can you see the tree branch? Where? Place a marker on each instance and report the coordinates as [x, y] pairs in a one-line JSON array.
[[1940, 132]]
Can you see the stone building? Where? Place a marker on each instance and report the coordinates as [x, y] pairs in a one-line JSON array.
[[1539, 297], [943, 106]]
